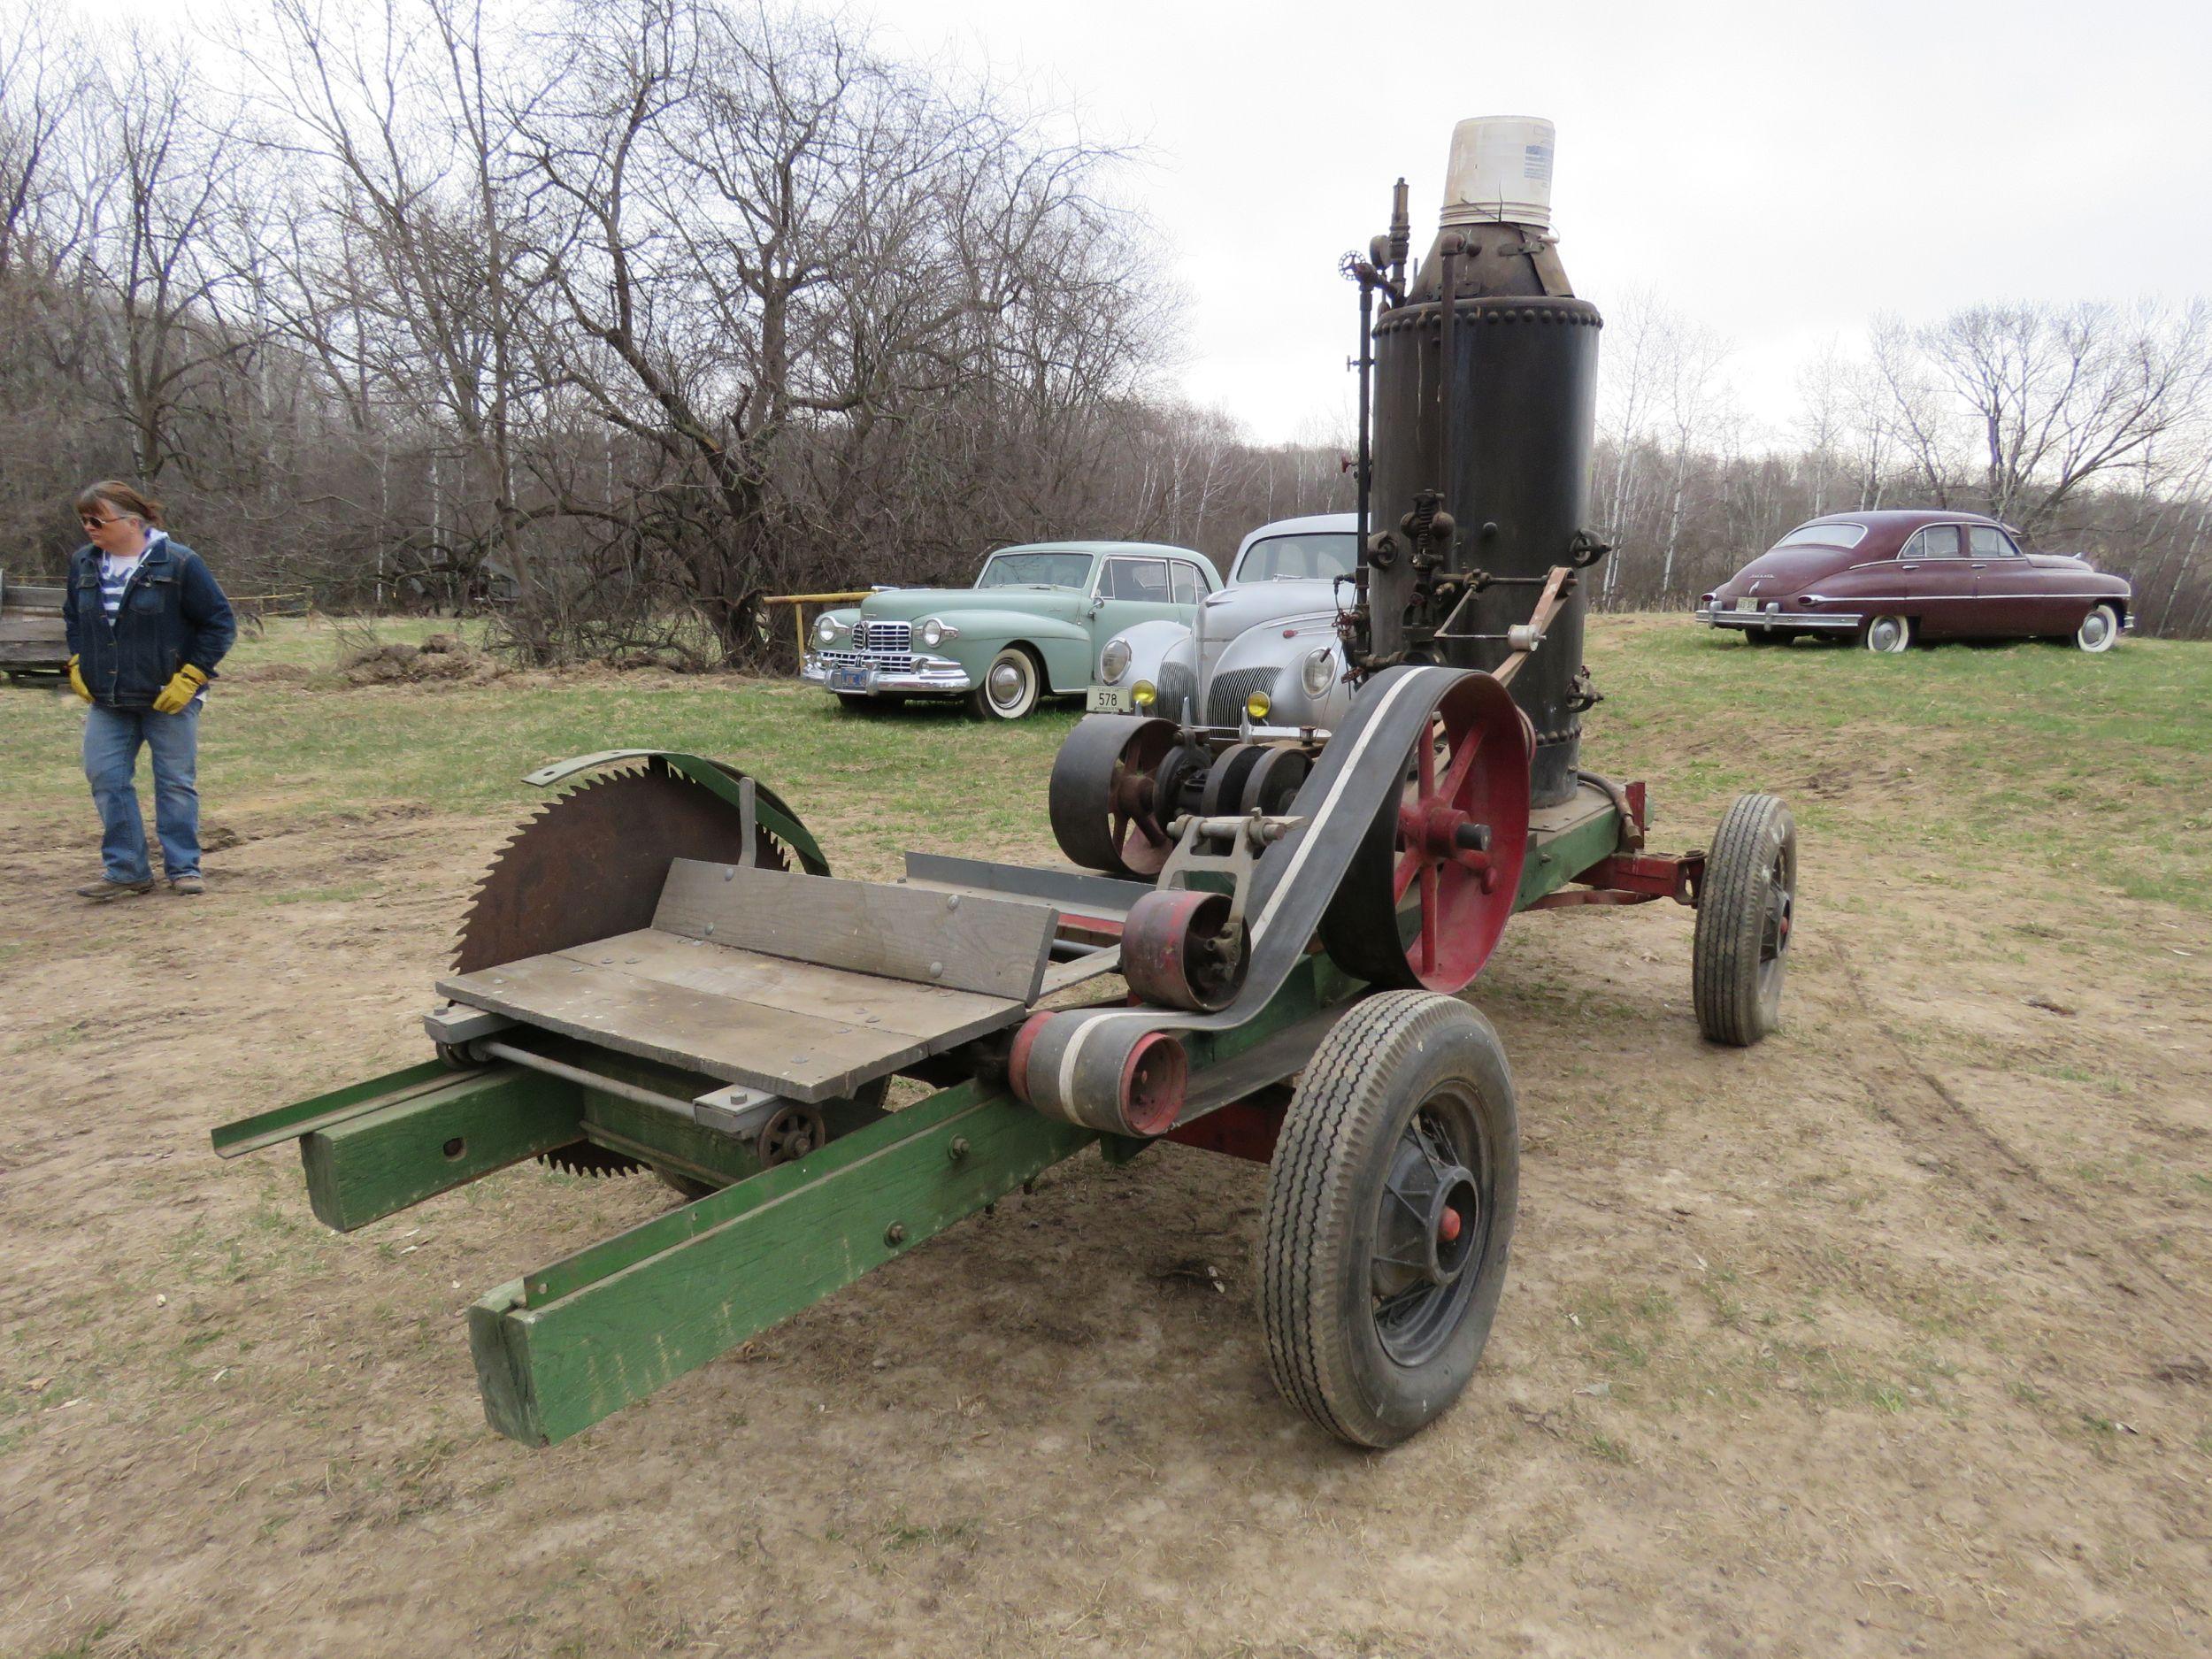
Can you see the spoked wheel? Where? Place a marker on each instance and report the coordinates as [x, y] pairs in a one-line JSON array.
[[1108, 807], [1449, 852], [1746, 917], [1390, 1207]]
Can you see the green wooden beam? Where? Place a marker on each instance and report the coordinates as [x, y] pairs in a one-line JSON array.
[[377, 1163], [289, 1123], [1555, 860], [565, 1347]]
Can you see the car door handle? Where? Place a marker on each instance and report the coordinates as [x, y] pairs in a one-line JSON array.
[[1977, 567]]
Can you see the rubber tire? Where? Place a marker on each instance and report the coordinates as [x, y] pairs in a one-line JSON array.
[[1733, 1006], [980, 703], [1375, 1068], [1904, 641], [2112, 630]]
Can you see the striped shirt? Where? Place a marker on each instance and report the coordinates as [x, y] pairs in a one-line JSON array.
[[116, 574]]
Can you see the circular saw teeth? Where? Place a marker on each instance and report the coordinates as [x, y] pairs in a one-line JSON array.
[[588, 864], [587, 1158]]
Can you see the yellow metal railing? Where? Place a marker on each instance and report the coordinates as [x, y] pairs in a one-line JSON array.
[[800, 601]]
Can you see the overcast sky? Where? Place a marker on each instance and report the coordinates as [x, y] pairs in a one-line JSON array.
[[1782, 172]]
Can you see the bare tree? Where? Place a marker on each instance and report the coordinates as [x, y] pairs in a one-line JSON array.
[[428, 226], [2059, 395]]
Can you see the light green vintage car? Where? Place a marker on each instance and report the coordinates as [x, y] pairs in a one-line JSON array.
[[1031, 628]]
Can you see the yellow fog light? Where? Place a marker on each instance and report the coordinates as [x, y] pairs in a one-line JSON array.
[[1144, 693], [1256, 706]]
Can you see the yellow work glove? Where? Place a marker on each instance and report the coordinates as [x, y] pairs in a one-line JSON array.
[[76, 681], [183, 686]]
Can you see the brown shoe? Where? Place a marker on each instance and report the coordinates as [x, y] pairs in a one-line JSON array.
[[101, 892], [186, 884]]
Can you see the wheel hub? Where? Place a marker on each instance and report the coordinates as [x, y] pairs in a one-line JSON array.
[[1427, 1232]]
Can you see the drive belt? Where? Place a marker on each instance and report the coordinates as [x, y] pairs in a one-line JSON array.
[[1076, 1059]]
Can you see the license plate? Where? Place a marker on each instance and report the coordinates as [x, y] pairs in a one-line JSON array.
[[1747, 604], [849, 678], [1107, 700]]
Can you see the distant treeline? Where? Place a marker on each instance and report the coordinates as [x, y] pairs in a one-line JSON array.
[[624, 316]]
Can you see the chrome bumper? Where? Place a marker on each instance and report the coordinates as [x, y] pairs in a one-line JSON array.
[[1797, 621], [906, 675]]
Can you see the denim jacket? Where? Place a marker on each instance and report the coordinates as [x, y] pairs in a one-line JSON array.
[[172, 613]]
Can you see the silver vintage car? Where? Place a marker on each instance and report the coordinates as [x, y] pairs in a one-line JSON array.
[[1262, 659]]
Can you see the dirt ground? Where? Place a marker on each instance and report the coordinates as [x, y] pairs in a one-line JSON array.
[[1889, 1336]]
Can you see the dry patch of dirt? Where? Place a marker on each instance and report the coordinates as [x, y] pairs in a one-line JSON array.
[[1889, 1336]]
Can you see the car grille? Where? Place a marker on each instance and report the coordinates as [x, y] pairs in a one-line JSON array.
[[897, 662], [1225, 698], [1179, 687], [884, 636]]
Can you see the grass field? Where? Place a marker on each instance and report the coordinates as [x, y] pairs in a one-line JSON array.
[[2030, 758], [1889, 1335]]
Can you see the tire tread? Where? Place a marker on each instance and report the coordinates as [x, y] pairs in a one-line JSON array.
[[1308, 1198], [1724, 951]]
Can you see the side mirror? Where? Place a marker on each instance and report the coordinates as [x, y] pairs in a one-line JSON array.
[[1098, 601]]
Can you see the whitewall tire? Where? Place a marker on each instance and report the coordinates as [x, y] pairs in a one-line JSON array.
[[1889, 636], [2099, 630], [1011, 684]]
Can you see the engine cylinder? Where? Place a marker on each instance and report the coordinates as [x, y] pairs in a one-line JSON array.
[[1518, 401]]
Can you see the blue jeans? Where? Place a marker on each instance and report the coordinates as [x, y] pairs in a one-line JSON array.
[[111, 737]]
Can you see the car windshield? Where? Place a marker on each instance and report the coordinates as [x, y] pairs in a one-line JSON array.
[[1827, 533], [1286, 557], [1036, 570]]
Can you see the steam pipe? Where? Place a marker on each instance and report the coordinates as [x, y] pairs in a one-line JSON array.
[[1365, 462], [1401, 236], [1448, 361]]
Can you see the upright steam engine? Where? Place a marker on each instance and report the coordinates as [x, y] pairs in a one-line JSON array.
[[1484, 371]]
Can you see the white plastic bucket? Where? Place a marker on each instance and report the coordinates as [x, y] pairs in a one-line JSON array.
[[1501, 170]]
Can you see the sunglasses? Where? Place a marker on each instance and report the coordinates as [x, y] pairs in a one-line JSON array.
[[94, 524]]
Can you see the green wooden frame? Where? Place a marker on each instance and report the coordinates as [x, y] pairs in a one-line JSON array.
[[560, 1348]]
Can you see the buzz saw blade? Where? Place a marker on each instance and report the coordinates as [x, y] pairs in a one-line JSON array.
[[589, 864]]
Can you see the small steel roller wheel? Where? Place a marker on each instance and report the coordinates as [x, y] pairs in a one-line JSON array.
[[1273, 784], [1178, 951], [1390, 1207], [1746, 907]]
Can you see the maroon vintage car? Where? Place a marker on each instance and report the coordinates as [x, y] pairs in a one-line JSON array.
[[1889, 577]]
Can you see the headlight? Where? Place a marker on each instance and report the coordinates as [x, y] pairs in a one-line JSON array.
[[826, 631], [1113, 662], [1144, 693], [1256, 705], [1319, 673], [935, 633]]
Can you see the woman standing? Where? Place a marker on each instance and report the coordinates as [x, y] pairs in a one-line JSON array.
[[147, 626]]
